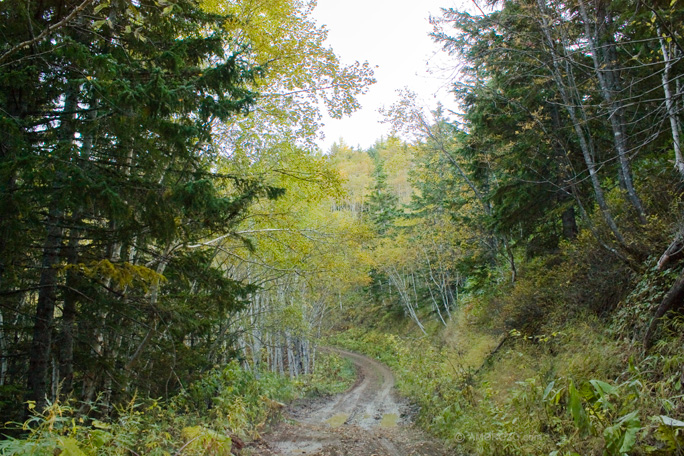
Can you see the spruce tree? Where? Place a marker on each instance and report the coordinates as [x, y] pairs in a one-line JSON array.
[[106, 169], [382, 206]]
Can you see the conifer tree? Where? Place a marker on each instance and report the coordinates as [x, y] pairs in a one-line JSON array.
[[382, 203], [107, 110]]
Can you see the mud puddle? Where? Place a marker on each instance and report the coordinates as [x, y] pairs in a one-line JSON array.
[[367, 420]]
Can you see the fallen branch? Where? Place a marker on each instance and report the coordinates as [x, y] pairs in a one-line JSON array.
[[491, 354], [674, 252], [673, 299]]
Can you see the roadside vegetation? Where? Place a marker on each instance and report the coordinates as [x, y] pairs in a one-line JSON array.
[[576, 389], [216, 415], [573, 380], [527, 282]]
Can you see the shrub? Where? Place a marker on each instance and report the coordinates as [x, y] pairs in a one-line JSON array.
[[202, 420]]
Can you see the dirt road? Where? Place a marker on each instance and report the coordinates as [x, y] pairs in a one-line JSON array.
[[367, 420]]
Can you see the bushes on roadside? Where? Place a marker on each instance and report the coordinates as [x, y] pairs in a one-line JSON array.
[[567, 393], [209, 417], [204, 419]]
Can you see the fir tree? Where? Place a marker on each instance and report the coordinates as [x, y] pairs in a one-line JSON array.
[[382, 206], [107, 111]]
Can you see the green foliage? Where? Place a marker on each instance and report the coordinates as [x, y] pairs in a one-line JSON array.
[[382, 202], [536, 187], [499, 409], [123, 274], [139, 212], [133, 150], [236, 397], [670, 435], [633, 315], [201, 421], [113, 114], [202, 441], [332, 374], [303, 77]]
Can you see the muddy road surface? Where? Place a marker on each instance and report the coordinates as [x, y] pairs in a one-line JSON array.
[[367, 420]]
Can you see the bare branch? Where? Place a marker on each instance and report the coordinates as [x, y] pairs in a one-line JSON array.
[[49, 29]]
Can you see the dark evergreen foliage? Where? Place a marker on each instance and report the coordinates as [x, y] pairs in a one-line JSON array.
[[106, 177]]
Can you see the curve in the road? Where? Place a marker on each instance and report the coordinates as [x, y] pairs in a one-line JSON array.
[[360, 422], [369, 403]]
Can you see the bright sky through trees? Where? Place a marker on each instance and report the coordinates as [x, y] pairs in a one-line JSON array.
[[392, 35]]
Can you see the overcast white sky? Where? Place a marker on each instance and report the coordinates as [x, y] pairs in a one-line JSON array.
[[392, 34]]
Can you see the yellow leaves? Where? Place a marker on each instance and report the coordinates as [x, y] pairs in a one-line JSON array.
[[98, 424], [123, 274], [537, 338], [299, 234], [200, 440], [266, 25], [100, 7], [292, 317], [97, 25], [69, 447], [356, 168], [302, 73]]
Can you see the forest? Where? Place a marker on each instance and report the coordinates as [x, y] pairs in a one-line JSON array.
[[175, 247]]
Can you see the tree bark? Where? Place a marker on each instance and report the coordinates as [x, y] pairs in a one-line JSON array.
[[3, 350], [569, 222], [584, 138], [39, 361], [610, 86], [672, 112], [40, 352], [68, 321]]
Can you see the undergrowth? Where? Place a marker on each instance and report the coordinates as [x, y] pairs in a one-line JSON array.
[[551, 364], [210, 417], [553, 394], [334, 374]]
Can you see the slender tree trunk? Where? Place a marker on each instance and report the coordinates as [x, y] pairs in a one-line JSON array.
[[570, 103], [672, 300], [40, 352], [279, 356], [3, 350], [432, 296], [610, 86], [592, 228], [402, 287], [45, 311], [153, 299], [670, 104], [68, 321], [511, 259], [54, 379], [569, 223], [71, 292], [290, 358]]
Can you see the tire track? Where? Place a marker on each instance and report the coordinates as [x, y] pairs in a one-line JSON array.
[[368, 419]]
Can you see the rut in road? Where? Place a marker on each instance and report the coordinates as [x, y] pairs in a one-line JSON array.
[[369, 419], [369, 401]]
